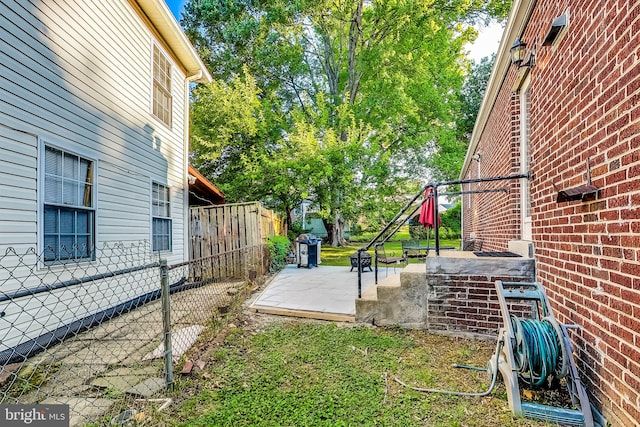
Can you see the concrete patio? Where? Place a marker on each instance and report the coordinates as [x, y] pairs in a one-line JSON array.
[[453, 292], [323, 292]]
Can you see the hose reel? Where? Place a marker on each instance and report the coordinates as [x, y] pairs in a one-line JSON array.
[[535, 350]]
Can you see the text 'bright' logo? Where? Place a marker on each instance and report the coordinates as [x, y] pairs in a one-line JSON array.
[[34, 415]]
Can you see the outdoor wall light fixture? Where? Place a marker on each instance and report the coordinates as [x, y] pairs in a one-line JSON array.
[[519, 51]]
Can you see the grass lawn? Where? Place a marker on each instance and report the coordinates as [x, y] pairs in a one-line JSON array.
[[308, 373], [340, 256]]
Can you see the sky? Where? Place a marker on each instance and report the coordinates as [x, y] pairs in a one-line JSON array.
[[486, 43], [176, 7]]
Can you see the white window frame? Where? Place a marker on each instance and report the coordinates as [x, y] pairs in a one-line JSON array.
[[70, 150], [155, 214], [525, 161], [156, 83]]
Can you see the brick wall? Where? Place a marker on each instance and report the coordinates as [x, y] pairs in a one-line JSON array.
[[462, 297], [468, 304], [499, 157], [585, 105]]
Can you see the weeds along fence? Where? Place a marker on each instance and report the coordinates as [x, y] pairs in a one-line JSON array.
[[104, 336]]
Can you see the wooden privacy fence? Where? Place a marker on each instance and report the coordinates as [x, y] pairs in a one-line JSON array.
[[222, 229]]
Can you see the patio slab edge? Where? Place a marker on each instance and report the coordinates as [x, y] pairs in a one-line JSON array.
[[333, 317]]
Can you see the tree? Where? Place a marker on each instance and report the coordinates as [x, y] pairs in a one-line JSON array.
[[452, 220], [472, 94], [223, 113], [374, 85], [451, 151]]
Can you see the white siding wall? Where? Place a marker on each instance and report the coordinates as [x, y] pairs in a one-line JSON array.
[[18, 197], [78, 74]]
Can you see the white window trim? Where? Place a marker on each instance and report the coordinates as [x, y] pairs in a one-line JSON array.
[[173, 73], [525, 146], [151, 216], [78, 151]]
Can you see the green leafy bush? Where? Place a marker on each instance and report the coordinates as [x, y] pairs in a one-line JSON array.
[[278, 250], [452, 221]]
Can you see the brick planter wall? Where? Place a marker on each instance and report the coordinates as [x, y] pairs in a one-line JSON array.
[[456, 296], [462, 296], [468, 304]]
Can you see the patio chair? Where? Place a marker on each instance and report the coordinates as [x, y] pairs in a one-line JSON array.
[[409, 248], [387, 260]]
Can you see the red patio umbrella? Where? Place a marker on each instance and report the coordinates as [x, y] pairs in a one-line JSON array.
[[428, 211]]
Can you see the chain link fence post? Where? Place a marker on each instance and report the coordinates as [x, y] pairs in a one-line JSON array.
[[166, 324]]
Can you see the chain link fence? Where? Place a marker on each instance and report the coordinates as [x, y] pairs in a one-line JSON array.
[[104, 335]]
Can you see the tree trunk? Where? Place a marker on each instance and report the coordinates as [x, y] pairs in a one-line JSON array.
[[335, 231], [355, 30], [289, 218]]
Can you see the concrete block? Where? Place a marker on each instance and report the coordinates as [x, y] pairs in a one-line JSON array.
[[148, 387], [430, 295]]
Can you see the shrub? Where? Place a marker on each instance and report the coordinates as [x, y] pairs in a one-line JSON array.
[[278, 250]]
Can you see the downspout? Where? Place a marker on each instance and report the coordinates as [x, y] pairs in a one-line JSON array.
[[186, 253]]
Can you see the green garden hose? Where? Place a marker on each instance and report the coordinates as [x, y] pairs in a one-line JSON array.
[[494, 377], [539, 350], [539, 354]]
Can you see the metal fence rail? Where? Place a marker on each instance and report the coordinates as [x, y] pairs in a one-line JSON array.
[[103, 336]]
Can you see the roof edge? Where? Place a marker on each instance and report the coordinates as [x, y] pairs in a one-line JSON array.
[[193, 171], [167, 26], [518, 20]]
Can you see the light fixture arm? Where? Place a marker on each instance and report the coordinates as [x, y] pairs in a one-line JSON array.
[[518, 52]]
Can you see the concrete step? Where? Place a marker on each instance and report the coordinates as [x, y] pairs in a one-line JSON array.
[[389, 287], [392, 280], [381, 302], [405, 277], [370, 294]]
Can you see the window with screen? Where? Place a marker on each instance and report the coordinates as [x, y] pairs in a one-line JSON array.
[[161, 87], [68, 211], [161, 218]]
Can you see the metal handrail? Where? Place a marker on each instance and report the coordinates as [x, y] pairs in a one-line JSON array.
[[436, 226]]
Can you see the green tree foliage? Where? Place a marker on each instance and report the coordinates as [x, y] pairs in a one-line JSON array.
[[472, 94], [452, 220], [341, 103], [448, 159], [499, 9], [223, 113]]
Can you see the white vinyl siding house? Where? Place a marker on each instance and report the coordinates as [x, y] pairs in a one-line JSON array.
[[80, 74], [18, 193], [80, 139]]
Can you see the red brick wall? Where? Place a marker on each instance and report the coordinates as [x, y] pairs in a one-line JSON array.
[[496, 218], [469, 304], [585, 104]]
